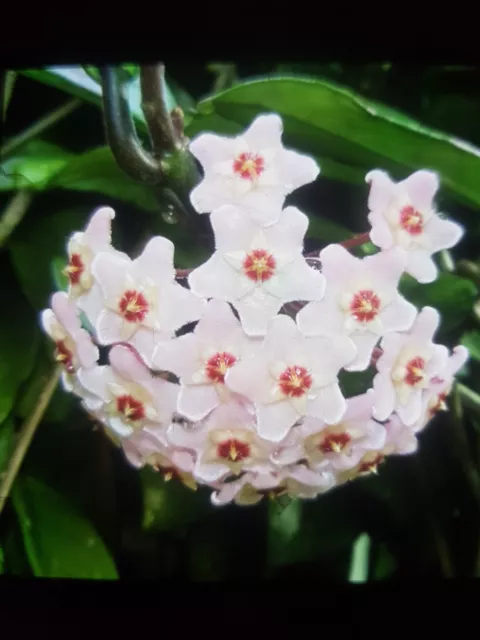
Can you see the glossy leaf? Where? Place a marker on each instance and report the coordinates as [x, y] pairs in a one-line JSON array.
[[322, 117], [19, 335], [471, 340], [59, 541], [77, 82], [96, 171], [451, 295], [33, 167], [32, 259]]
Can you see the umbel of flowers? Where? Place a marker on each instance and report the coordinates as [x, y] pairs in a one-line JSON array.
[[248, 402]]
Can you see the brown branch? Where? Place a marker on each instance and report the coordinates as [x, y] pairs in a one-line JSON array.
[[159, 122]]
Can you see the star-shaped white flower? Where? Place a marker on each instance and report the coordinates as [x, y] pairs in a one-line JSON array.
[[257, 270], [135, 297], [252, 170], [361, 300], [405, 369], [82, 248], [340, 445], [201, 359], [291, 377], [225, 444], [147, 448], [73, 345], [132, 398], [403, 214]]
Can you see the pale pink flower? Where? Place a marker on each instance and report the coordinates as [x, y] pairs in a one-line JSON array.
[[256, 269], [73, 345], [202, 358], [405, 369], [138, 296], [145, 448], [295, 481], [361, 300], [340, 445], [291, 377], [83, 246], [225, 444], [403, 214], [400, 438], [436, 394], [252, 170], [132, 398]]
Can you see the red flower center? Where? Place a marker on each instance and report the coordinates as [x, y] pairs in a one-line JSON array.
[[411, 220], [233, 450], [371, 466], [64, 356], [218, 365], [131, 409], [414, 371], [74, 269], [259, 265], [249, 165], [334, 443], [295, 381], [365, 305], [133, 306]]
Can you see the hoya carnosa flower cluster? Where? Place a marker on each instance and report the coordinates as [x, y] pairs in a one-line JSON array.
[[249, 401]]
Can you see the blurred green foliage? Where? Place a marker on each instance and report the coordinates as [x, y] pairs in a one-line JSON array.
[[78, 509]]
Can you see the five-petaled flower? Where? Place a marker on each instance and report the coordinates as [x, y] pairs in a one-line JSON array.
[[138, 300], [292, 376], [406, 368], [73, 345], [82, 248], [202, 358], [132, 398], [226, 444], [252, 171], [340, 445], [361, 300], [258, 270], [403, 214]]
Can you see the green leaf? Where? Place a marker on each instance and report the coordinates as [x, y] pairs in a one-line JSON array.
[[471, 340], [7, 436], [97, 171], [359, 561], [86, 85], [34, 246], [385, 563], [33, 167], [168, 505], [323, 118], [284, 528], [19, 335], [451, 295], [59, 541]]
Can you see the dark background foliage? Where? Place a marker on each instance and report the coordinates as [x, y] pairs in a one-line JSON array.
[[77, 509]]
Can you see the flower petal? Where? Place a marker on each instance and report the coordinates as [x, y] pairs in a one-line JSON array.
[[296, 170], [196, 402], [265, 132], [156, 260], [99, 228], [178, 306], [421, 187], [110, 271], [274, 421], [214, 278], [256, 311], [329, 405], [443, 234], [384, 397], [421, 266], [381, 190], [380, 234], [364, 344]]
